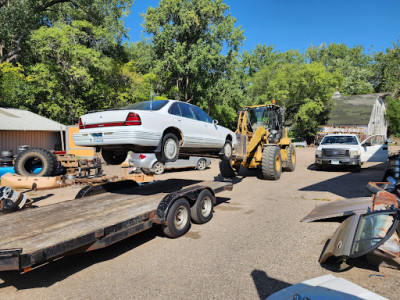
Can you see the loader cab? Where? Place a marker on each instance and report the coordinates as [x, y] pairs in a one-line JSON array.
[[268, 116]]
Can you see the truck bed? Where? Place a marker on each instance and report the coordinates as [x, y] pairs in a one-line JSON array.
[[49, 231]]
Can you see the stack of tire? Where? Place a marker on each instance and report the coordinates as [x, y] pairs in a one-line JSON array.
[[6, 158], [30, 160]]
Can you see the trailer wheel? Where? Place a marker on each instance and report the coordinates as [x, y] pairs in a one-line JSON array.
[[202, 210], [226, 169], [29, 161], [113, 157], [271, 163], [291, 163], [178, 219]]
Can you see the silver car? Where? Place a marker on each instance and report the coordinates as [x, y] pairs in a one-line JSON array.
[[149, 164]]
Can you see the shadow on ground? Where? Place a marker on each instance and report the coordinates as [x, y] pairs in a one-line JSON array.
[[266, 285], [349, 185]]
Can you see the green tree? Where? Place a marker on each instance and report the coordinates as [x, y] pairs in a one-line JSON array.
[[352, 63], [304, 90], [392, 115], [19, 18], [194, 42]]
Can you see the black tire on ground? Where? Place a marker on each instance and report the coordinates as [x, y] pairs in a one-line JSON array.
[[226, 169], [202, 210], [291, 163], [356, 169], [170, 147], [227, 149], [271, 163], [28, 160], [113, 157], [178, 219], [201, 164], [158, 168], [55, 160]]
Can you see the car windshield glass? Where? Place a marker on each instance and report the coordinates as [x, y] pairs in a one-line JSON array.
[[342, 139], [260, 116], [147, 105], [371, 230]]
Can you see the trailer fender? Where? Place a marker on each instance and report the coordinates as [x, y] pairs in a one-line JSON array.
[[189, 194]]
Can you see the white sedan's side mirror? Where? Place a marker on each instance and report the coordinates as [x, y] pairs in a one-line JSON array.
[[215, 122]]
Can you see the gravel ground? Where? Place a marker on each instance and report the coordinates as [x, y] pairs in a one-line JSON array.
[[253, 246]]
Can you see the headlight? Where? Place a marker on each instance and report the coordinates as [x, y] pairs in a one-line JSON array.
[[319, 152], [353, 153]]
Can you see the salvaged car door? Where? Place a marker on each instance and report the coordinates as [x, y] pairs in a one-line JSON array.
[[212, 137], [361, 234], [374, 149]]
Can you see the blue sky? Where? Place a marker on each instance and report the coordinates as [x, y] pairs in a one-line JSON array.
[[297, 24]]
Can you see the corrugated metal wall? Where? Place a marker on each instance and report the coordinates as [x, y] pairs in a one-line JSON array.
[[11, 139]]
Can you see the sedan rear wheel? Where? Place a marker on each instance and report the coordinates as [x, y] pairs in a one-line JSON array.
[[170, 147], [158, 168]]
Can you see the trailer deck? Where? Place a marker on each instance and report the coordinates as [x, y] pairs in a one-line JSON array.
[[41, 234]]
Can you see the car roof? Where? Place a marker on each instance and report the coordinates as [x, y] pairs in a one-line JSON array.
[[341, 134]]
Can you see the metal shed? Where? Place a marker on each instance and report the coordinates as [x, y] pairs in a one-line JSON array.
[[21, 127]]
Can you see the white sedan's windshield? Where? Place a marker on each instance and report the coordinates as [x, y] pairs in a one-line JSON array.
[[343, 139]]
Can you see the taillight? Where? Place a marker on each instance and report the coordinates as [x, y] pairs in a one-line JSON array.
[[133, 119], [81, 124], [142, 156]]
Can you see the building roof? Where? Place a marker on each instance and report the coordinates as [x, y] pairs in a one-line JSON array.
[[18, 119], [353, 110]]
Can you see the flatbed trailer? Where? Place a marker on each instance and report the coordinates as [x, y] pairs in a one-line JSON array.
[[102, 216]]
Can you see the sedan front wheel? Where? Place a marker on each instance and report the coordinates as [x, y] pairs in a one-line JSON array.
[[170, 147]]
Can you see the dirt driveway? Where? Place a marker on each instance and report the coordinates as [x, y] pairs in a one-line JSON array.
[[253, 246]]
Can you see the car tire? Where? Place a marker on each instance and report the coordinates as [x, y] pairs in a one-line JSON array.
[[317, 167], [202, 210], [226, 169], [113, 157], [28, 159], [291, 162], [158, 168], [201, 164], [178, 219], [227, 150], [271, 163], [170, 148]]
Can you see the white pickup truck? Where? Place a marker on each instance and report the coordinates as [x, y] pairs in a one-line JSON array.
[[346, 150]]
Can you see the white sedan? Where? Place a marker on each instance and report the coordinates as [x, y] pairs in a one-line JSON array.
[[169, 128]]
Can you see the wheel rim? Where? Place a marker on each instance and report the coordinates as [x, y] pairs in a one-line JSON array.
[[228, 150], [201, 165], [293, 157], [181, 217], [158, 168], [206, 206], [170, 148], [277, 163]]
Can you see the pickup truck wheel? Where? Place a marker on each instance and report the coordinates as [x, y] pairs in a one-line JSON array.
[[291, 163], [158, 168], [202, 210], [178, 219], [356, 169], [271, 163], [201, 164], [170, 147], [226, 169], [317, 167], [113, 157]]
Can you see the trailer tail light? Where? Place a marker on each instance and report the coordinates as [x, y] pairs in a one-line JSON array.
[[133, 119], [142, 156], [81, 124]]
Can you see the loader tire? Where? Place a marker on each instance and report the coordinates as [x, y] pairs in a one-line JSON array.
[[226, 169], [271, 163], [291, 154], [33, 158]]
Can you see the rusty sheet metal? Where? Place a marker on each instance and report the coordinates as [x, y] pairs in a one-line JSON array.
[[339, 208]]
